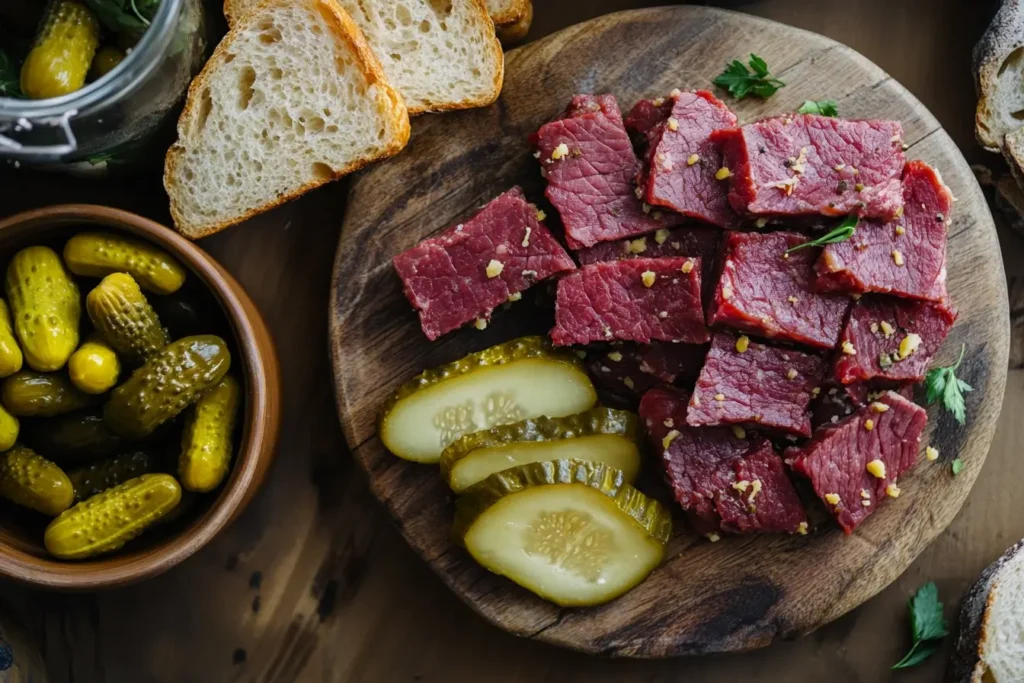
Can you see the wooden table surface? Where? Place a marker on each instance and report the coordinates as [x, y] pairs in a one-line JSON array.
[[312, 585]]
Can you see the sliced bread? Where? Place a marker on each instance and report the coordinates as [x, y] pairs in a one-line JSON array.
[[508, 11], [440, 54], [990, 647], [999, 76], [291, 99], [513, 32]]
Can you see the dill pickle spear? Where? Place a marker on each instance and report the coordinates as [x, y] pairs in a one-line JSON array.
[[573, 532], [170, 381], [105, 522], [599, 434], [32, 481], [519, 379]]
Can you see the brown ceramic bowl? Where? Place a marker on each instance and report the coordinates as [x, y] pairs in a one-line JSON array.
[[22, 555]]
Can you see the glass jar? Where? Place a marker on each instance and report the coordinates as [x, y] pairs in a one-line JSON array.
[[109, 122]]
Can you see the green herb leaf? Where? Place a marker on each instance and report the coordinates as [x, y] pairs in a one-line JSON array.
[[843, 232], [918, 653], [10, 81], [927, 625], [820, 107], [943, 384], [132, 16], [958, 466], [740, 81]]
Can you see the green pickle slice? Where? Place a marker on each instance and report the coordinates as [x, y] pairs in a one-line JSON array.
[[573, 532], [519, 379], [600, 434]]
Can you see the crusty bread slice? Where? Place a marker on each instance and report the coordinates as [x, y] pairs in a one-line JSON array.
[[440, 54], [990, 647], [508, 11], [512, 33], [999, 76], [291, 99]]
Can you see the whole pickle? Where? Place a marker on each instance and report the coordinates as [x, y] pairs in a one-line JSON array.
[[123, 317], [108, 520], [98, 254], [35, 394], [32, 481], [169, 382], [46, 307], [206, 447]]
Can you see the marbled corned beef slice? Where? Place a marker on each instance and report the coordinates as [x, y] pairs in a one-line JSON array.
[[470, 269], [764, 291], [744, 382], [807, 164], [681, 160], [696, 242], [723, 481], [891, 339], [837, 456], [905, 256], [639, 300], [589, 164]]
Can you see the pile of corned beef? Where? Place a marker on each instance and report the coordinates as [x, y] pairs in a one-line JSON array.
[[693, 304]]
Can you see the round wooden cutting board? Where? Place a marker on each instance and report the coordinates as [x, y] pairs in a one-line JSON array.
[[745, 591]]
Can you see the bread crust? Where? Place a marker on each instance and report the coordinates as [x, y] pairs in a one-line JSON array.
[[510, 34], [499, 75], [348, 31], [964, 663], [514, 14], [1004, 35]]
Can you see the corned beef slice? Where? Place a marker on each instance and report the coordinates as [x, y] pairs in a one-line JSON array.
[[631, 300], [590, 164], [891, 339], [906, 256], [807, 164], [468, 270], [681, 161], [724, 481], [699, 243], [760, 385], [837, 456], [836, 401], [647, 115], [765, 292]]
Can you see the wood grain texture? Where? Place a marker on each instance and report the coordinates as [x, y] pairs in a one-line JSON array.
[[744, 592]]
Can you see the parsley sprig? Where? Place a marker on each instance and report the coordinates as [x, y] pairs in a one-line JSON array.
[[943, 384], [927, 626], [741, 81], [819, 107], [843, 232]]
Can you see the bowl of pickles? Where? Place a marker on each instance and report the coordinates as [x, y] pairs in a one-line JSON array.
[[138, 398]]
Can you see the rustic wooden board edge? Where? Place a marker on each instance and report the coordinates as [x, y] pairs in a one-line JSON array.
[[557, 626]]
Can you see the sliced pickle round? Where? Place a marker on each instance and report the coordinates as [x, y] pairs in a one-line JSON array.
[[573, 532], [599, 434], [519, 379]]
